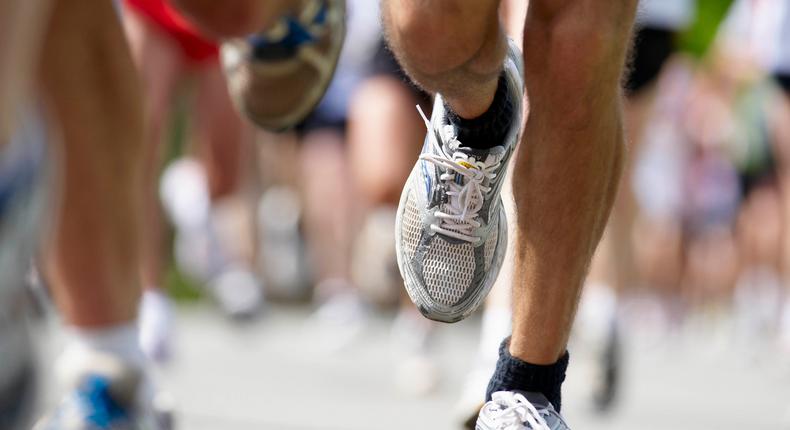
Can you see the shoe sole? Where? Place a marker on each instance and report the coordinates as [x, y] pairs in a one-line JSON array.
[[288, 121]]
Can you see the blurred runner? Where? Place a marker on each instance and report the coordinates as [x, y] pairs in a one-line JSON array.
[[92, 256], [755, 37], [329, 198], [356, 149], [92, 259], [168, 51], [384, 136], [613, 272]]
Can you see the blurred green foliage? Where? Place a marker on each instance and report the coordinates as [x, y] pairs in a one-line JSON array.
[[697, 39], [178, 285]]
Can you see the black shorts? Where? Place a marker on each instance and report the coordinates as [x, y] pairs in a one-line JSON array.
[[783, 79], [382, 63], [652, 49]]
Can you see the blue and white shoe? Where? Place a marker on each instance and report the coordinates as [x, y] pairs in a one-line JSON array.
[[513, 410], [451, 231], [277, 78], [104, 395]]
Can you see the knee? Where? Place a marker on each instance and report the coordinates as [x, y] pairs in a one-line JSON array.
[[579, 35], [580, 47], [437, 36]]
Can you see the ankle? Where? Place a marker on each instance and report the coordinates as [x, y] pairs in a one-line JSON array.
[[473, 105], [514, 374], [542, 354], [489, 128], [119, 341]]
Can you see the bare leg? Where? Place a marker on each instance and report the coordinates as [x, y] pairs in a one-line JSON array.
[[88, 75], [222, 133], [620, 253], [159, 62], [327, 204], [452, 47], [566, 177], [384, 138], [225, 145]]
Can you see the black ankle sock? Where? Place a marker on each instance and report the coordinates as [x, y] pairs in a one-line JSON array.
[[514, 374], [489, 129]]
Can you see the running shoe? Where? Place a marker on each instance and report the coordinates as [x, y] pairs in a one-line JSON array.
[[596, 335], [156, 325], [238, 292], [451, 229], [513, 410], [276, 78], [103, 396]]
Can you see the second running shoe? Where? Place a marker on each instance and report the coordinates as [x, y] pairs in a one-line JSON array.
[[277, 77], [451, 230]]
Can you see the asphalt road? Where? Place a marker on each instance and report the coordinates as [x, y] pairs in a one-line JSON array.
[[278, 374]]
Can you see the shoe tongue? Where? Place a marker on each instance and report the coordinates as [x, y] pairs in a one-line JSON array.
[[490, 155], [538, 400]]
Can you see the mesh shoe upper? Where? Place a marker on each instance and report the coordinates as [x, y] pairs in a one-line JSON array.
[[450, 232]]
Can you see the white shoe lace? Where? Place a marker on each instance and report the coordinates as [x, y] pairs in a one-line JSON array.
[[457, 217], [517, 411]]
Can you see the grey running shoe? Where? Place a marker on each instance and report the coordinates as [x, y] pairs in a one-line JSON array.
[[276, 78], [451, 231], [513, 410]]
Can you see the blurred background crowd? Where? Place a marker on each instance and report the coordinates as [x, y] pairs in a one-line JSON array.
[[698, 246]]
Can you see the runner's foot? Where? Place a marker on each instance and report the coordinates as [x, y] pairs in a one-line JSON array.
[[512, 410], [277, 77], [451, 230]]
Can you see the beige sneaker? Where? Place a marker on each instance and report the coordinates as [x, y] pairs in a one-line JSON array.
[[276, 78]]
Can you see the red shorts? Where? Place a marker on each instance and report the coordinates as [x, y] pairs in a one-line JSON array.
[[195, 46]]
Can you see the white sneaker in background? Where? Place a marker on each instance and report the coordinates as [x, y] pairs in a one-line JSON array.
[[156, 325], [416, 370], [374, 266], [282, 256], [596, 336], [238, 292], [340, 319], [496, 326]]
